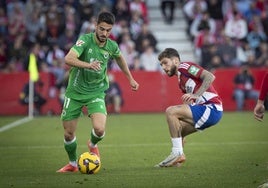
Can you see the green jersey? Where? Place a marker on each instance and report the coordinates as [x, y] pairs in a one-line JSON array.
[[88, 81]]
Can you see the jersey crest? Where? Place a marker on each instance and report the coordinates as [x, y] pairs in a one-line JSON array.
[[193, 70], [79, 42]]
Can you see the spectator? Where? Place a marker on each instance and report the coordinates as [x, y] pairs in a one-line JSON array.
[[192, 9], [264, 22], [261, 5], [228, 52], [139, 7], [3, 53], [88, 26], [244, 87], [17, 52], [135, 25], [42, 40], [243, 6], [120, 27], [34, 25], [215, 63], [114, 95], [201, 21], [70, 18], [251, 60], [127, 47], [207, 52], [168, 16], [203, 39], [236, 28], [35, 50], [252, 11], [262, 54], [149, 60], [243, 51], [67, 39], [86, 10], [137, 66], [121, 10], [54, 21], [3, 21], [56, 64], [16, 19], [38, 99], [256, 34], [254, 38], [147, 35], [214, 8]]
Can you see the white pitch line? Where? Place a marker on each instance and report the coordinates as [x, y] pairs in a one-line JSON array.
[[138, 145], [15, 124]]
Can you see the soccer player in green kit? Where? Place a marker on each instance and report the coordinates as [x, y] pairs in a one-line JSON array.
[[87, 84]]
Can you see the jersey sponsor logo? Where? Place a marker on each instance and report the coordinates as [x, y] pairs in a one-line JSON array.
[[189, 86], [79, 43], [106, 55], [193, 70]]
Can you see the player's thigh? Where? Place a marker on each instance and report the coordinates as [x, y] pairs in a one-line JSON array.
[[98, 121], [96, 104], [182, 112], [71, 109], [70, 126], [187, 128]]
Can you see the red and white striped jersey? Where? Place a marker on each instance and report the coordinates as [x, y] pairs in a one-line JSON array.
[[190, 81]]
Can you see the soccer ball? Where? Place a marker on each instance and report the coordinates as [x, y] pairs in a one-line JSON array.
[[89, 163]]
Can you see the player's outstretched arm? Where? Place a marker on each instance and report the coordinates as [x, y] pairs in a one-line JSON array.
[[124, 67]]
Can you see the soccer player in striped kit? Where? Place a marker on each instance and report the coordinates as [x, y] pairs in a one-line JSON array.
[[201, 105]]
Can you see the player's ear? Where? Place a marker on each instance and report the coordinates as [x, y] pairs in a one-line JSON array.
[[175, 60]]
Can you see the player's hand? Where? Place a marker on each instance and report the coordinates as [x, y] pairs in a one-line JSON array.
[[259, 111], [95, 65], [134, 85], [189, 98]]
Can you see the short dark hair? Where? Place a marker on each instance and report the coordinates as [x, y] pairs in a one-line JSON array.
[[106, 17], [169, 53]]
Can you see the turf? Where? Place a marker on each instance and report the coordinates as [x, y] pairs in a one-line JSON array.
[[232, 154]]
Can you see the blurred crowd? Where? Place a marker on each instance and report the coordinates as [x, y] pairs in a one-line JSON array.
[[225, 33], [228, 33], [49, 28]]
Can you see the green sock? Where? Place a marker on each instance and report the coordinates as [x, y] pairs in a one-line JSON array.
[[94, 138], [70, 148]]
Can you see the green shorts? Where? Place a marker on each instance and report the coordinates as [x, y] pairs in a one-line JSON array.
[[72, 108]]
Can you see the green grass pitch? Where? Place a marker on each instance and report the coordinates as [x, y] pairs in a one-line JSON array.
[[232, 154]]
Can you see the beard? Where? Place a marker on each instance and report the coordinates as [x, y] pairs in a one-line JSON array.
[[172, 71], [101, 39]]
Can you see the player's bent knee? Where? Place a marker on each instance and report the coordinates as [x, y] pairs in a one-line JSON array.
[[68, 136], [172, 110], [99, 131], [178, 111]]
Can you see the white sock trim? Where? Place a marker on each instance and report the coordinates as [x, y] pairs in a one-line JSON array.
[[70, 142], [73, 163], [93, 132]]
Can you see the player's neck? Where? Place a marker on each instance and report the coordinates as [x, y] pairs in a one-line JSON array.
[[99, 43]]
